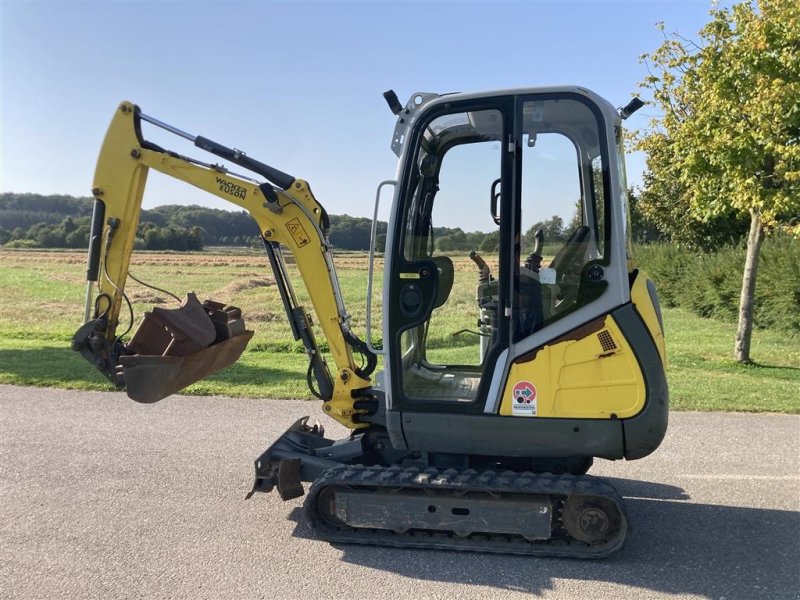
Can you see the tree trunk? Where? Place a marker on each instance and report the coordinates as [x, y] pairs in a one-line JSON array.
[[741, 348]]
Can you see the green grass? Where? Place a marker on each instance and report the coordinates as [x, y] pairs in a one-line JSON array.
[[41, 305], [703, 376]]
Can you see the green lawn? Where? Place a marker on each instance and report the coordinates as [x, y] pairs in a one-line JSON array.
[[41, 297], [702, 375]]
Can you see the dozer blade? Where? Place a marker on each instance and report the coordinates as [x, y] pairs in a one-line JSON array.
[[172, 349]]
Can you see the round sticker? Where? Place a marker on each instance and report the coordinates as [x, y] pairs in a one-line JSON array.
[[524, 393]]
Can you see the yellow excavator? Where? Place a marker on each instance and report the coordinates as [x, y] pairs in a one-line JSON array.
[[477, 439]]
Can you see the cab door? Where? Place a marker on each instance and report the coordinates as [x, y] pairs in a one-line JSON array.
[[446, 322], [566, 200], [569, 273]]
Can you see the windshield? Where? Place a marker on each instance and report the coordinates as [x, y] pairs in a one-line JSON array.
[[450, 178]]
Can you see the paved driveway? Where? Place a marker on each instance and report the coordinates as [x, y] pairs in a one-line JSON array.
[[102, 497]]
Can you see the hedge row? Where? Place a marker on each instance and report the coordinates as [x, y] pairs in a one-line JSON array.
[[709, 284]]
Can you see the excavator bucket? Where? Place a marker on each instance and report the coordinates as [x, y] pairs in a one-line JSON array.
[[172, 349]]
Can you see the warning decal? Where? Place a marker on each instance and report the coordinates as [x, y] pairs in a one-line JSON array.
[[523, 399], [297, 232]]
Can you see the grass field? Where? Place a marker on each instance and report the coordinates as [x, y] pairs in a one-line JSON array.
[[41, 305]]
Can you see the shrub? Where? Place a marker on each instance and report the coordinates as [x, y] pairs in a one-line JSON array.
[[667, 266], [22, 244], [709, 284], [778, 287]]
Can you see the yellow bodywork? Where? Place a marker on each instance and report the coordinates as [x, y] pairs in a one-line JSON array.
[[595, 376], [644, 306], [119, 182], [590, 374]]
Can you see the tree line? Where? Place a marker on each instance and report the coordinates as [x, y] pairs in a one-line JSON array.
[[58, 221]]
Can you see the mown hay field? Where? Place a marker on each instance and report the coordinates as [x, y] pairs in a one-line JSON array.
[[41, 306]]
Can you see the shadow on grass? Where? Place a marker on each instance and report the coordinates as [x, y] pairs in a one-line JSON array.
[[50, 366], [730, 366], [758, 365], [675, 547], [271, 381], [62, 367], [761, 371]]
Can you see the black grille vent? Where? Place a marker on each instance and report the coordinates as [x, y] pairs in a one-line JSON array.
[[606, 341]]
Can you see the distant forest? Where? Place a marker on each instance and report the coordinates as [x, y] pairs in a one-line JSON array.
[[59, 221]]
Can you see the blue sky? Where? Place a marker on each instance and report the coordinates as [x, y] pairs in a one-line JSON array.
[[295, 85]]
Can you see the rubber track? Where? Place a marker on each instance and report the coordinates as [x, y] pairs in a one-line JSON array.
[[452, 480]]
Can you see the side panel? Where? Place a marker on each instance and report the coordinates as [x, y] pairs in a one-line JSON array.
[[644, 432], [591, 373], [491, 435]]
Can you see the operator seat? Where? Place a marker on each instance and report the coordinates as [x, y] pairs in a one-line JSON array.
[[568, 265], [575, 246], [445, 280]]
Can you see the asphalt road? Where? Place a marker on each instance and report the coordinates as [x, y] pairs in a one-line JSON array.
[[102, 497]]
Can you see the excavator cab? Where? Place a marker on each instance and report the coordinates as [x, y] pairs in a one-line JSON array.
[[508, 164], [546, 342]]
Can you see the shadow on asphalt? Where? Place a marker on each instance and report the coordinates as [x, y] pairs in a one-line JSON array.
[[676, 547]]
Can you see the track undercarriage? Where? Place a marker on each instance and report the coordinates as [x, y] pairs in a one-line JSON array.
[[505, 512], [468, 509]]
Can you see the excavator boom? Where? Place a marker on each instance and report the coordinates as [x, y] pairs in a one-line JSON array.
[[172, 349]]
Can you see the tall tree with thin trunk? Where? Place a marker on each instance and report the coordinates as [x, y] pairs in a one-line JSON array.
[[728, 140]]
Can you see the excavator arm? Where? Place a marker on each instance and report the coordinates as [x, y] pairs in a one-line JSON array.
[[288, 216]]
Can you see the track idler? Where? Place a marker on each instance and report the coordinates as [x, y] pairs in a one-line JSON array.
[[589, 519]]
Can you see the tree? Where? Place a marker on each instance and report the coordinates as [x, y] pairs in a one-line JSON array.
[[728, 142], [663, 207], [194, 238], [643, 229], [46, 235], [350, 233], [552, 229], [491, 242]]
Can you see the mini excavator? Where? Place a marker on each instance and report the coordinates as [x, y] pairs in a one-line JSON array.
[[484, 448]]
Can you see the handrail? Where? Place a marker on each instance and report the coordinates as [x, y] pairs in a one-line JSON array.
[[373, 232]]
